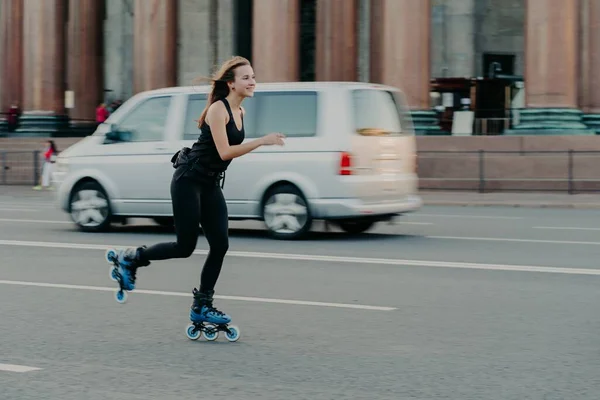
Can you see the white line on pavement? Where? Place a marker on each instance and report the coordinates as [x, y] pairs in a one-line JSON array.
[[19, 209], [180, 294], [461, 216], [338, 259], [36, 221], [399, 222], [567, 228], [491, 239], [17, 368]]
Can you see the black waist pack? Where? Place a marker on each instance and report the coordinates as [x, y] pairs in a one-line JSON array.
[[183, 158]]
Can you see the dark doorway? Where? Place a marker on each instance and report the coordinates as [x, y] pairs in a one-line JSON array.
[[308, 14], [242, 25], [494, 64]]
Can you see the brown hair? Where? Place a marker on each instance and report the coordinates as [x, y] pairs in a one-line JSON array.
[[220, 89]]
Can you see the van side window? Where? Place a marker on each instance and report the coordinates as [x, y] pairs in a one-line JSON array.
[[146, 122], [292, 113], [376, 111], [195, 106]]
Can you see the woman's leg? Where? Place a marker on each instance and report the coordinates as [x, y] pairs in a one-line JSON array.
[[186, 199], [214, 221], [215, 224]]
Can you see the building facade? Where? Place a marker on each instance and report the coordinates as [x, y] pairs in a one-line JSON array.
[[538, 58]]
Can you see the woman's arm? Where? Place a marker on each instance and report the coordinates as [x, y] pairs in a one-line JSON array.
[[217, 115]]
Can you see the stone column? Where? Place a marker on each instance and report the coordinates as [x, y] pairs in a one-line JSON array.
[[118, 50], [551, 69], [275, 40], [11, 62], [589, 82], [85, 62], [400, 54], [44, 68], [337, 40], [154, 44]]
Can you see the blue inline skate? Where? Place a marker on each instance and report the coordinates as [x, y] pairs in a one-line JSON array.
[[208, 321], [124, 266]]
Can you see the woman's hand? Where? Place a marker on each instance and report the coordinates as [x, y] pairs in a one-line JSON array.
[[273, 138]]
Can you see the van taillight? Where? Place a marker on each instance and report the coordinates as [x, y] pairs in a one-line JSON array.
[[345, 164]]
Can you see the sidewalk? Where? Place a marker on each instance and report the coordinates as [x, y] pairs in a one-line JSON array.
[[506, 199]]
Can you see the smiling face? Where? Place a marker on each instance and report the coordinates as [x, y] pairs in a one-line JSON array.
[[244, 81]]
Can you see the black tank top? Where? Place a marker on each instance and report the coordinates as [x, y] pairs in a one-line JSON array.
[[206, 150]]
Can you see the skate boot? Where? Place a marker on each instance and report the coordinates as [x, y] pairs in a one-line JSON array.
[[202, 309], [125, 264], [208, 321]]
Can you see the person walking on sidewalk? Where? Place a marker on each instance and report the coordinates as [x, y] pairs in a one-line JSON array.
[[48, 166]]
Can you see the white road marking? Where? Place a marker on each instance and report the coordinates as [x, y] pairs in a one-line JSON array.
[[461, 216], [181, 294], [35, 221], [567, 228], [17, 368], [338, 259], [39, 221], [490, 239], [19, 209]]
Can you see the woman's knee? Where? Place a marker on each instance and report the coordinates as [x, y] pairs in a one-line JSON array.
[[186, 249], [219, 246]]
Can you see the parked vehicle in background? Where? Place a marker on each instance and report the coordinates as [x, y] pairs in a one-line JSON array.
[[349, 157]]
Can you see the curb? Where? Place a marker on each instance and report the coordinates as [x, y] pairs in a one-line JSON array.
[[509, 204]]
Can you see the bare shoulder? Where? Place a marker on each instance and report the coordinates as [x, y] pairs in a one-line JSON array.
[[217, 112]]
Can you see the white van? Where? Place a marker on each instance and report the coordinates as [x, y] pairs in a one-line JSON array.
[[349, 157]]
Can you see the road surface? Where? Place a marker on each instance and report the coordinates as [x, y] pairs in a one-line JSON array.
[[448, 303]]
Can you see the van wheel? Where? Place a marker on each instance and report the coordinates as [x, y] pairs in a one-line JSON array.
[[355, 227], [286, 213], [90, 208]]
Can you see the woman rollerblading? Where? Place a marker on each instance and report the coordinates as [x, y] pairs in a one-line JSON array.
[[197, 197]]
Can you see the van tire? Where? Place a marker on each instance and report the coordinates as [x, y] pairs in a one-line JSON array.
[[98, 196], [293, 211], [355, 227]]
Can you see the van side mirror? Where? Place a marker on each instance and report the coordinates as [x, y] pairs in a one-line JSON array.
[[113, 134]]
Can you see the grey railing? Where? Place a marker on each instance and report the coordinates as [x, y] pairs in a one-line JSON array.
[[20, 167]]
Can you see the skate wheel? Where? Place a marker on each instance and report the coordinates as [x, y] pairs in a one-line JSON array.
[[212, 333], [192, 332], [110, 255], [234, 333], [113, 273], [121, 296]]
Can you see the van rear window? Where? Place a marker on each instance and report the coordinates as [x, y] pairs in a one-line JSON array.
[[376, 113]]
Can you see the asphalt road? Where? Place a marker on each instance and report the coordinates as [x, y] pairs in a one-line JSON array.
[[448, 303]]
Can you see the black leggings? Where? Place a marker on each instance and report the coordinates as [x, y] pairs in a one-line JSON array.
[[196, 204]]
